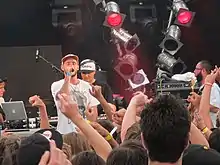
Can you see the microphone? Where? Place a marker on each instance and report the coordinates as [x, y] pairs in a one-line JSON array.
[[70, 72], [37, 55]]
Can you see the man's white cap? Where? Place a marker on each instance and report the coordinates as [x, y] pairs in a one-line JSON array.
[[87, 66]]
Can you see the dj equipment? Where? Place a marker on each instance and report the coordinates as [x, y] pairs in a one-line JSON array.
[[178, 88]]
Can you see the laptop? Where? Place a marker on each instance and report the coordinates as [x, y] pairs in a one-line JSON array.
[[14, 110]]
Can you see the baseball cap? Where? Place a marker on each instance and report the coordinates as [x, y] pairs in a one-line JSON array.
[[69, 56], [87, 66], [200, 155], [34, 146]]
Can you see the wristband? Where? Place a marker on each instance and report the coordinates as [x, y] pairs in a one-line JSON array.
[[88, 121], [204, 130], [108, 137], [209, 84]]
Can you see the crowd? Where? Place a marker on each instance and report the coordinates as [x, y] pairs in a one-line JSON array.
[[150, 131]]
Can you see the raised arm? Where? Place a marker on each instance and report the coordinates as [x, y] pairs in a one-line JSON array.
[[70, 109], [97, 93], [136, 106], [204, 107], [35, 101]]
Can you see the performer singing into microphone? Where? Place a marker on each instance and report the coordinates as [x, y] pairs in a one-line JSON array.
[[76, 88]]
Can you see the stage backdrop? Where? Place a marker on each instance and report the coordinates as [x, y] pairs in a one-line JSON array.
[[26, 77]]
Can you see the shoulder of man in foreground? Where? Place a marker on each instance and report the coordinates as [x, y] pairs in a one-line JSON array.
[[200, 155], [86, 84], [57, 83]]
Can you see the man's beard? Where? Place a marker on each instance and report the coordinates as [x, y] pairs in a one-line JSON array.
[[199, 77], [73, 74]]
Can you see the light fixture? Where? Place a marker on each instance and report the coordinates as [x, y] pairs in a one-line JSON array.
[[130, 42], [63, 16], [171, 43], [184, 17], [113, 19], [169, 63], [138, 79], [127, 66]]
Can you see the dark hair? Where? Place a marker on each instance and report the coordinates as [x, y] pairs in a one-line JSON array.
[[134, 132], [87, 157], [9, 145], [108, 126], [206, 65], [128, 153], [77, 142], [214, 139], [165, 125]]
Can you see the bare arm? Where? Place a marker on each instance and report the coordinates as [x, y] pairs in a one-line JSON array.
[[65, 87], [35, 101], [1, 119], [128, 120], [106, 107], [136, 106], [100, 145], [97, 93], [70, 109], [44, 121], [204, 107], [196, 137]]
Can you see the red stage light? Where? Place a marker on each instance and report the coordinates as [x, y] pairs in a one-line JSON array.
[[114, 19], [126, 69], [184, 17]]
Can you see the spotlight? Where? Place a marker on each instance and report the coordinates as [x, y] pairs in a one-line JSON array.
[[184, 17], [126, 66], [130, 42], [169, 63], [149, 25], [63, 16], [138, 79], [171, 43], [114, 18]]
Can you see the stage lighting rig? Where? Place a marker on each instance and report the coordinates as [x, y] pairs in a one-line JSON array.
[[171, 43], [113, 19], [184, 17], [138, 79], [127, 66], [170, 64], [130, 42]]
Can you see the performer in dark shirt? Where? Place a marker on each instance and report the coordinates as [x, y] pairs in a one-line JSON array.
[[88, 71]]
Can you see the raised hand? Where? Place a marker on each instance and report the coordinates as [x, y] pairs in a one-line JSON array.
[[194, 99], [36, 101], [67, 106], [118, 116], [96, 91], [140, 100], [91, 114], [210, 79]]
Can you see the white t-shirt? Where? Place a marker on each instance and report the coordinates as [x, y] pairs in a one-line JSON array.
[[214, 101], [80, 93], [2, 100]]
